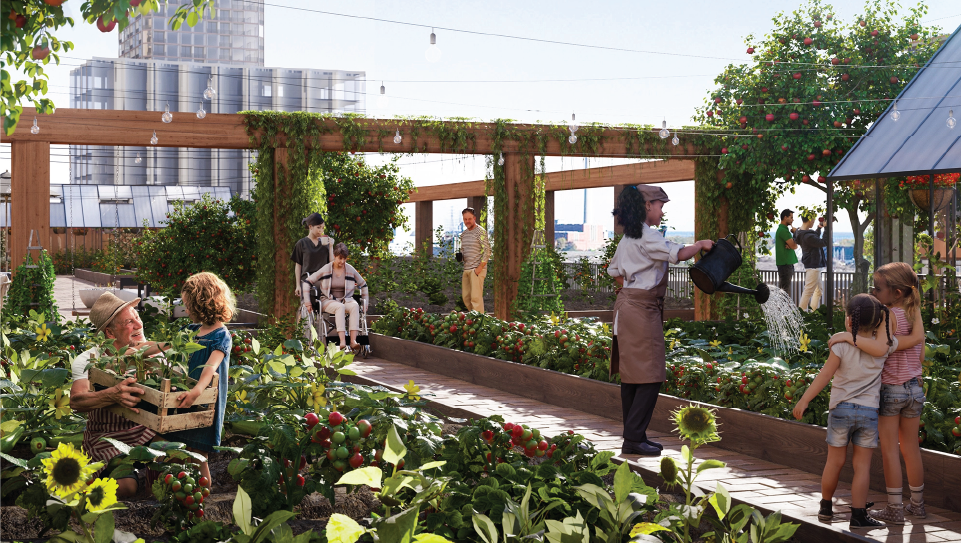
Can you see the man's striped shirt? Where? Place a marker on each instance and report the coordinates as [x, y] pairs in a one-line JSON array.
[[475, 247]]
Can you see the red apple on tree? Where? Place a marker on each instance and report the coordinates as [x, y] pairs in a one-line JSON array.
[[40, 53], [808, 41], [742, 120], [717, 100], [821, 179], [915, 37], [817, 24], [806, 179], [835, 61], [744, 146], [769, 117], [794, 116], [826, 152], [874, 33], [797, 75], [863, 23], [894, 80], [857, 111], [710, 113], [56, 3], [739, 101], [750, 50], [812, 156], [837, 124], [105, 27], [19, 21], [845, 77], [816, 103], [723, 150], [784, 148]]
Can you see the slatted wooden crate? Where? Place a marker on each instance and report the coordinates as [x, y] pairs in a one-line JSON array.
[[162, 399]]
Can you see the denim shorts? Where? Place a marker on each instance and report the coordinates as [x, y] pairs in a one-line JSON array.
[[906, 401], [853, 423]]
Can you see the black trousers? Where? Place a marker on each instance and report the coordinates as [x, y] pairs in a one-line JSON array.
[[785, 274], [637, 404]]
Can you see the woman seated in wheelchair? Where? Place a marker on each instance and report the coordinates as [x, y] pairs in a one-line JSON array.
[[337, 281]]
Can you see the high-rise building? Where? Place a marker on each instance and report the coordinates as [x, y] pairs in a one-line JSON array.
[[234, 35], [163, 68]]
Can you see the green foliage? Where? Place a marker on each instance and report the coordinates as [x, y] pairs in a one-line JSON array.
[[209, 235], [539, 287], [66, 260], [32, 288]]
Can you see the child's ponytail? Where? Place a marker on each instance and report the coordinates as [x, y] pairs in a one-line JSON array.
[[900, 276]]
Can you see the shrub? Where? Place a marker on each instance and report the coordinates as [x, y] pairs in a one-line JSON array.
[[32, 288], [209, 235], [65, 261]]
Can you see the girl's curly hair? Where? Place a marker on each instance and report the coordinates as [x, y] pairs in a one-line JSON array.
[[866, 312], [631, 211], [208, 299]]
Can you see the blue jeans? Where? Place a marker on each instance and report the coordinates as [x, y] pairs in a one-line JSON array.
[[905, 400], [853, 423]]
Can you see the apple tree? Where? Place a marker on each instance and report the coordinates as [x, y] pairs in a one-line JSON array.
[[812, 87], [28, 42]]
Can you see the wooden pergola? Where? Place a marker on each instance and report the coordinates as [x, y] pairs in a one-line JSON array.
[[30, 183]]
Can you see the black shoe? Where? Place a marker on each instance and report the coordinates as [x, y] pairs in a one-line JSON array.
[[860, 519], [654, 444], [643, 449], [825, 512]]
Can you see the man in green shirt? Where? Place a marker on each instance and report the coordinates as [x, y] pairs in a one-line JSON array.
[[784, 247]]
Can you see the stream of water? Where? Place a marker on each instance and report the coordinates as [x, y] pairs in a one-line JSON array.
[[784, 322]]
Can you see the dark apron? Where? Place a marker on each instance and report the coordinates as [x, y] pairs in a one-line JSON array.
[[639, 314]]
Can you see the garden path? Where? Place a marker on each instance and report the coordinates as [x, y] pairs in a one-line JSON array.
[[66, 291], [758, 483]]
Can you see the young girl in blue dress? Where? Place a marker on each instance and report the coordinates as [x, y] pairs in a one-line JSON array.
[[209, 304]]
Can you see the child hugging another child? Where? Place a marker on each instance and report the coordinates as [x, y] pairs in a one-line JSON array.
[[855, 397], [902, 397], [209, 304]]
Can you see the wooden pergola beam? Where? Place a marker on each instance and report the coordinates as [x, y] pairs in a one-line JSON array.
[[658, 171]]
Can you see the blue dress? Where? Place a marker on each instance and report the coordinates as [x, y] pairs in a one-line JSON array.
[[206, 438]]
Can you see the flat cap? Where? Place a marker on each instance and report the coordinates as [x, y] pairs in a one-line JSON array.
[[652, 193]]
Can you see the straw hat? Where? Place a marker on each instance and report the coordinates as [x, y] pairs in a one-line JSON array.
[[106, 308]]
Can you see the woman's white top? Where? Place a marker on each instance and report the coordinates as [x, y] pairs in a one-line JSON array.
[[643, 261]]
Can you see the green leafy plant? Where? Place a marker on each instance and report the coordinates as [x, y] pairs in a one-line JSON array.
[[32, 288]]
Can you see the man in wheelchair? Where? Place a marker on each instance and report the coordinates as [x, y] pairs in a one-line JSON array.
[[337, 282]]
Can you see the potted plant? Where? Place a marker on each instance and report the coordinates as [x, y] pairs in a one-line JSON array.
[[80, 231], [920, 190]]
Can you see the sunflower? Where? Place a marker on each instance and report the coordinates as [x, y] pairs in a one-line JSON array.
[[67, 470], [101, 494], [60, 404], [696, 424], [669, 470], [317, 398], [43, 333]]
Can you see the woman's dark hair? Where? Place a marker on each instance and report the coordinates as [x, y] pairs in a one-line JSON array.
[[631, 212], [341, 250], [313, 219], [866, 311]]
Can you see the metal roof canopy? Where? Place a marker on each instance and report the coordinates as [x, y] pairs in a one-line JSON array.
[[920, 142]]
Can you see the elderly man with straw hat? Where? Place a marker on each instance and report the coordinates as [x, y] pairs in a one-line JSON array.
[[118, 320]]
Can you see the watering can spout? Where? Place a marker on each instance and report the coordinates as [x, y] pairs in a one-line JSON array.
[[761, 293]]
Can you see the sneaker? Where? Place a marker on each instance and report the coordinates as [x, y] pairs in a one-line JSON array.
[[860, 519], [916, 509], [891, 514], [825, 512]]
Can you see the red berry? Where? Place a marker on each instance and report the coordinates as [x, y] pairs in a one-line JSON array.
[[335, 419], [311, 419], [204, 481]]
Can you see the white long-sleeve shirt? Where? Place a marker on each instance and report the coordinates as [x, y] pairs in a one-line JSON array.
[[642, 262]]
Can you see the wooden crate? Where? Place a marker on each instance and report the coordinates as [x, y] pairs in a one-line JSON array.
[[163, 400]]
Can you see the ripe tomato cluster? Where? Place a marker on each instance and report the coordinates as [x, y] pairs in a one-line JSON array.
[[188, 490], [344, 442], [529, 438]]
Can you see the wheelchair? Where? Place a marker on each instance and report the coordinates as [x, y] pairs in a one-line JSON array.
[[324, 325]]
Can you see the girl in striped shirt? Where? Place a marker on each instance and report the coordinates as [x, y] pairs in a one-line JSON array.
[[902, 396]]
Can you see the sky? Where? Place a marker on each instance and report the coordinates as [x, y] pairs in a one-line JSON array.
[[677, 48]]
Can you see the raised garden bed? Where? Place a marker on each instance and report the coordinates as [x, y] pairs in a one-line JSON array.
[[793, 444], [99, 278], [155, 403]]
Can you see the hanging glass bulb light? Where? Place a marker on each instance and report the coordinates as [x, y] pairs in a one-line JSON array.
[[382, 100], [153, 139], [138, 160], [34, 129], [675, 140], [895, 114], [433, 52], [951, 122], [200, 112], [573, 126], [397, 137], [500, 159], [209, 92], [167, 116], [664, 133]]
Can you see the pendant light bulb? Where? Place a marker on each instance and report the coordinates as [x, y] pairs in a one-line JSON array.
[[572, 139], [675, 140], [895, 114], [153, 139], [167, 116], [209, 92], [500, 159], [664, 133], [397, 137], [200, 112], [433, 52], [138, 160], [951, 122], [573, 126], [382, 100], [34, 129]]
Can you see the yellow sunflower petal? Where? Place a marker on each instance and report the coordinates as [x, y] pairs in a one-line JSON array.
[[101, 494]]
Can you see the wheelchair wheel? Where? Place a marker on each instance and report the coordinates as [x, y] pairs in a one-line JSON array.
[[308, 324]]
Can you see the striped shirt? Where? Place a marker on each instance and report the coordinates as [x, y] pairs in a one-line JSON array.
[[102, 422], [475, 247], [902, 366]]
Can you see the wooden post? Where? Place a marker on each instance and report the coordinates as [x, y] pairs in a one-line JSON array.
[[479, 203], [549, 217], [519, 182], [702, 301], [30, 198], [284, 283], [424, 227]]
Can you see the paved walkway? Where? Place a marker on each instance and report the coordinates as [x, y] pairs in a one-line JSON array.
[[66, 290], [759, 483]]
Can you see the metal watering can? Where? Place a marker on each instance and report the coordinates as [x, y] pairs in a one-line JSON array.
[[710, 273]]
